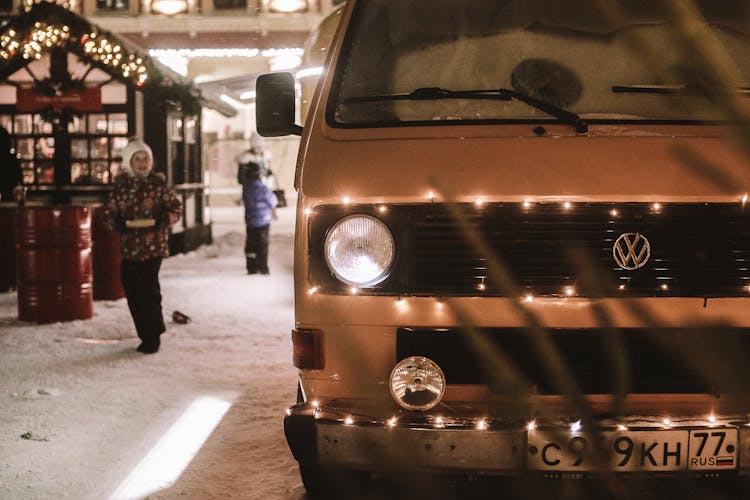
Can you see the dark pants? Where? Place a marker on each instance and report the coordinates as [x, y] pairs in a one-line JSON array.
[[141, 283], [256, 249]]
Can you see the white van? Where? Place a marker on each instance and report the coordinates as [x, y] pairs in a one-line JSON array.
[[523, 242]]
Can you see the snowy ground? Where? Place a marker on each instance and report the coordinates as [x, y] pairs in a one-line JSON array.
[[90, 408]]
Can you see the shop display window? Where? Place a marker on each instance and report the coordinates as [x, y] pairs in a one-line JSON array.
[[41, 126], [22, 124], [100, 172], [97, 124], [79, 173], [45, 172], [117, 145], [77, 126], [114, 170], [27, 168], [194, 165], [79, 149], [117, 123], [99, 148], [96, 142], [184, 159], [25, 148], [190, 130], [177, 157], [45, 148], [174, 128]]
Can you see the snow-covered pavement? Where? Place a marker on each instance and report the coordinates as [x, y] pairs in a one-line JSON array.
[[80, 408]]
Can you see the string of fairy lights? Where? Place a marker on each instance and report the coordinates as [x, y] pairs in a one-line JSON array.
[[33, 44], [321, 411], [28, 4]]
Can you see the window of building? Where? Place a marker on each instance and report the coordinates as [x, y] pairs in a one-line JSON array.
[[112, 5], [96, 143], [230, 4]]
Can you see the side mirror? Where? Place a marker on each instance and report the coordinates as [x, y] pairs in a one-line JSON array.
[[274, 105]]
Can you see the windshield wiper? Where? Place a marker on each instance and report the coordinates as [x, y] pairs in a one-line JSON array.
[[665, 89], [432, 93]]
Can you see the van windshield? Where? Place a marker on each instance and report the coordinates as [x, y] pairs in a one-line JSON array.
[[613, 64]]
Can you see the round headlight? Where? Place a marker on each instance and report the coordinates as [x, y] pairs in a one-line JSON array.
[[359, 250], [417, 383]]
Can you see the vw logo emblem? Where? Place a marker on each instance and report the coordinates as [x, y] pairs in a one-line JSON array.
[[631, 251]]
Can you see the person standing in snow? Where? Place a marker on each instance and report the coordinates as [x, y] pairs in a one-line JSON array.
[[260, 203], [256, 155], [10, 168], [141, 208]]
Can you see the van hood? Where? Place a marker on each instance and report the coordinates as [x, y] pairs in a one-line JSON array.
[[596, 167]]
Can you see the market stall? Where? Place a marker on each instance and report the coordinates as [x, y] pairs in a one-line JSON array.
[[70, 96]]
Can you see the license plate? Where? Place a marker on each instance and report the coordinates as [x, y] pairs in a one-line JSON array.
[[634, 451]]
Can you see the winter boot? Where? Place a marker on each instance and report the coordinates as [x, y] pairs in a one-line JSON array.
[[250, 264]]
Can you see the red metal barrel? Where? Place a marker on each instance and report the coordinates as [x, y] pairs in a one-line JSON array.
[[106, 258], [7, 247], [54, 264]]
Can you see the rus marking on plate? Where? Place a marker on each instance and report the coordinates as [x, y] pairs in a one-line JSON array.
[[631, 451]]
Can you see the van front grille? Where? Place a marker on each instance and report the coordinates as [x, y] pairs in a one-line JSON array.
[[550, 249], [697, 250]]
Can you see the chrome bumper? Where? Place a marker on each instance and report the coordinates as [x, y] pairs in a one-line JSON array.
[[419, 443], [364, 445]]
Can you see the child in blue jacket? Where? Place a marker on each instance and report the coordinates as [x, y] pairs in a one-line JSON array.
[[260, 203]]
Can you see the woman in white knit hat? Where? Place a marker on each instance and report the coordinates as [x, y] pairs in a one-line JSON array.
[[141, 208]]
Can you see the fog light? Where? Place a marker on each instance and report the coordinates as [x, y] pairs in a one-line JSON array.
[[417, 383]]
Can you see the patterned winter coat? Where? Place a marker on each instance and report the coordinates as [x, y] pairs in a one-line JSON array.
[[135, 198]]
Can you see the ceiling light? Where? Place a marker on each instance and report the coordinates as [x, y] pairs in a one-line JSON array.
[[284, 61], [304, 73], [232, 102], [169, 7], [287, 5]]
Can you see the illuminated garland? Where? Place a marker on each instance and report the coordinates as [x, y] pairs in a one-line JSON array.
[[42, 37], [46, 26], [69, 5]]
